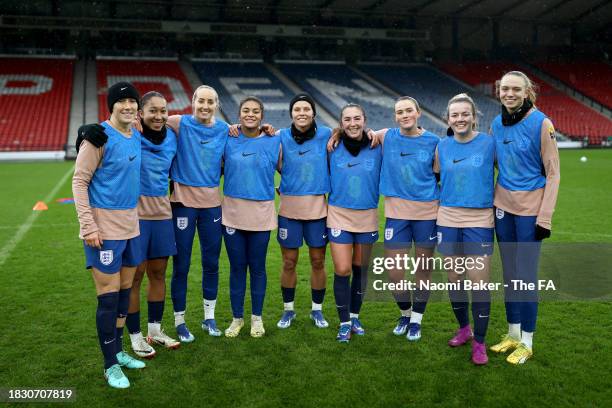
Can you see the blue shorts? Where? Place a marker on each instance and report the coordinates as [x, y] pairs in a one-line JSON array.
[[113, 255], [402, 233], [157, 238], [465, 241], [346, 237], [291, 233]]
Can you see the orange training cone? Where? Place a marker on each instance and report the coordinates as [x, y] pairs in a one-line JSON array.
[[40, 206]]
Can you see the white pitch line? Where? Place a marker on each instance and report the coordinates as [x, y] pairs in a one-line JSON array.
[[25, 227]]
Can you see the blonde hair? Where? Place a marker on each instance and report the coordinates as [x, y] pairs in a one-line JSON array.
[[530, 86], [463, 97], [195, 93]]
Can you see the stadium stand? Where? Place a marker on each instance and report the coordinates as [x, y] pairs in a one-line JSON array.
[[591, 78], [334, 85], [237, 79], [162, 76], [569, 116], [34, 103], [431, 88]]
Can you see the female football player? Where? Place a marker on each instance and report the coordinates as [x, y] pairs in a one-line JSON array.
[[352, 217], [158, 148], [196, 203], [409, 184], [106, 199], [525, 198], [466, 163], [303, 208], [250, 161]]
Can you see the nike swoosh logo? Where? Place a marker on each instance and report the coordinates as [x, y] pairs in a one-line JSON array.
[[432, 238], [132, 158], [324, 236], [374, 234], [108, 342], [247, 154], [482, 317], [216, 219], [406, 154], [304, 152], [124, 88], [507, 141], [204, 141], [353, 165], [155, 151], [458, 160]]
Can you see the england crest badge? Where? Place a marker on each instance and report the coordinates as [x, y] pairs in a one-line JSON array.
[[182, 222], [106, 257]]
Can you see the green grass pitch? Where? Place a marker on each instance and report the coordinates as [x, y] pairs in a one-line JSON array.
[[48, 336]]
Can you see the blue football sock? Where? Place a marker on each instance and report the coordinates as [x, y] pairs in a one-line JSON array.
[[481, 308], [133, 322], [459, 302], [318, 295], [288, 294], [342, 293], [123, 304], [156, 311], [358, 287], [106, 317], [421, 296]]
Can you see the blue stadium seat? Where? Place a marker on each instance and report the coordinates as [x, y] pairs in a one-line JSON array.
[[431, 88], [334, 85], [235, 80]]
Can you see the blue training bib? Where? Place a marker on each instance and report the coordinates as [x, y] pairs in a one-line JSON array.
[[115, 185], [155, 166], [407, 166], [304, 167], [519, 158], [467, 172], [250, 164], [199, 153], [354, 180]]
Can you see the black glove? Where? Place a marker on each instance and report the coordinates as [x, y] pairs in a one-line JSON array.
[[541, 233], [93, 133]]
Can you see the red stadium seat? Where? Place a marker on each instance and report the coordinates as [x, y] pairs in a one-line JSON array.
[[165, 77], [35, 99], [593, 79], [569, 116]]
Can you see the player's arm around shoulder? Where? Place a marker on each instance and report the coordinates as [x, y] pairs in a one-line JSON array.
[[174, 123]]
